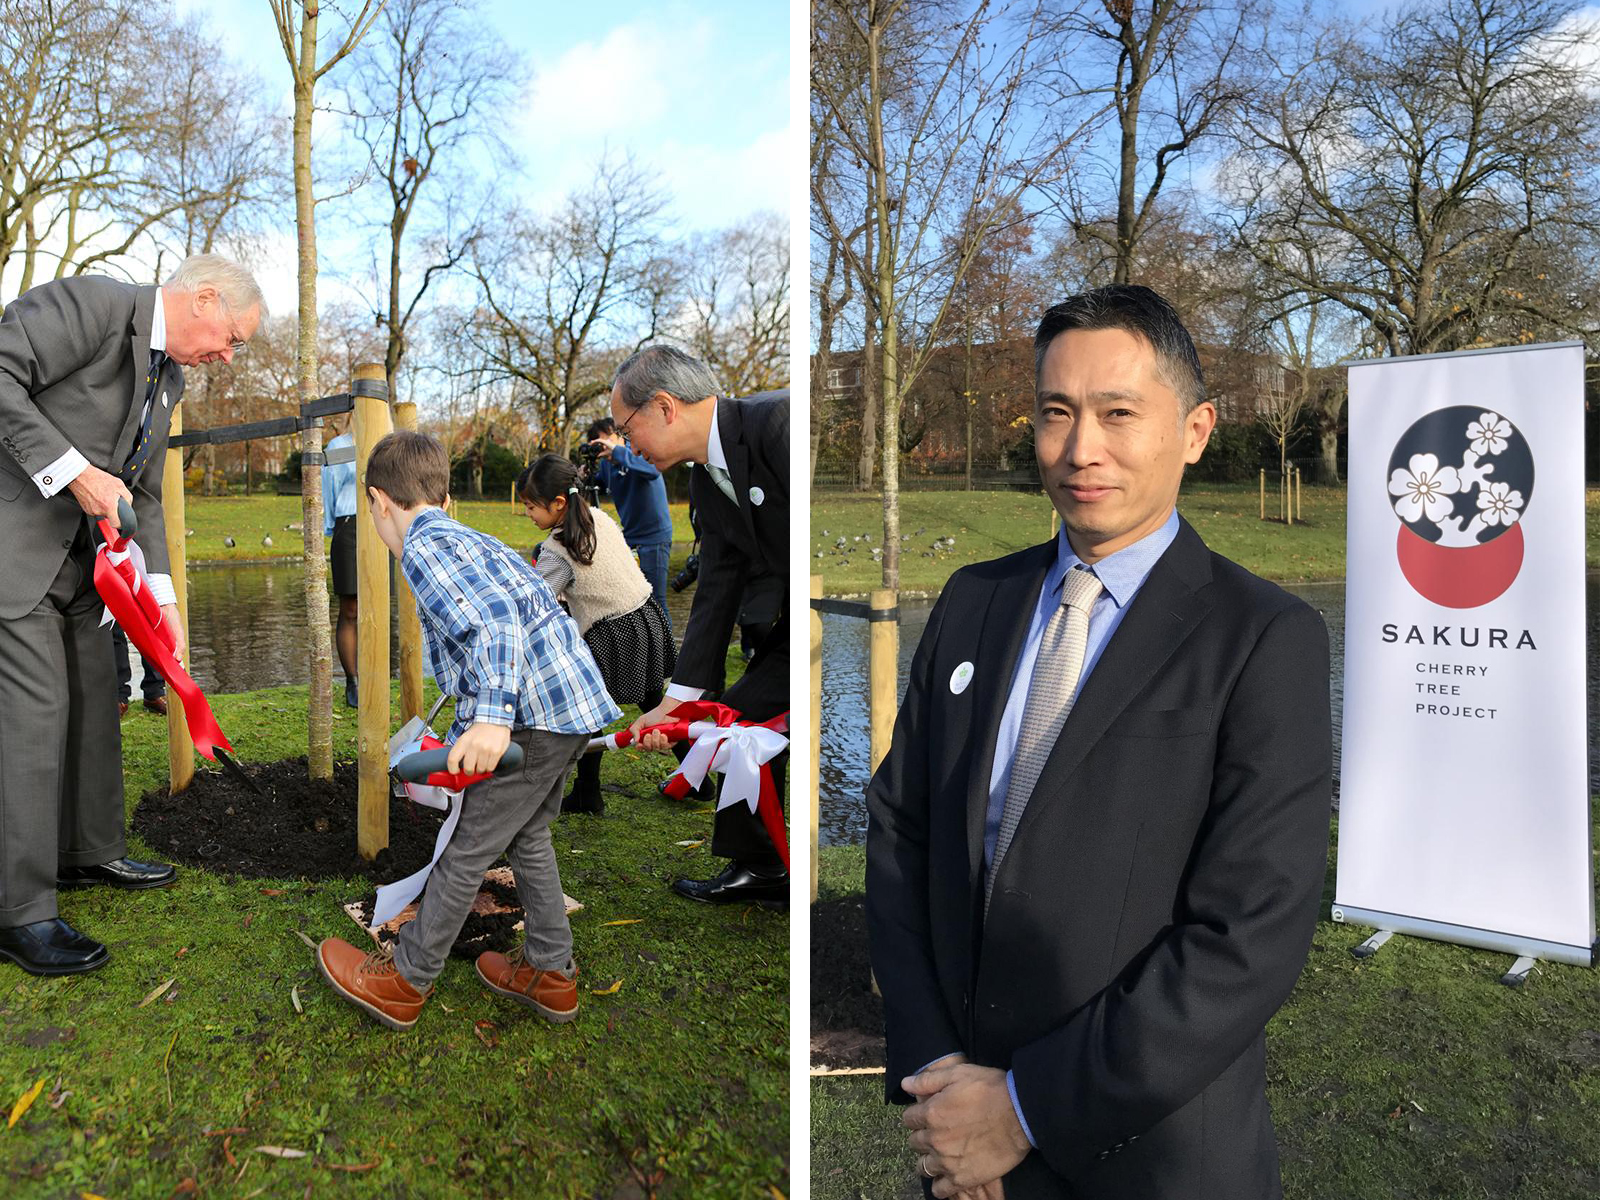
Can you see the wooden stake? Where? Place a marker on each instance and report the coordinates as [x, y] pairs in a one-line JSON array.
[[180, 746], [372, 421], [883, 667], [405, 417], [1263, 493], [816, 730], [1299, 495]]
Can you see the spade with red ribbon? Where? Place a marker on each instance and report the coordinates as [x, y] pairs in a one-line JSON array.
[[429, 766], [127, 596], [741, 751]]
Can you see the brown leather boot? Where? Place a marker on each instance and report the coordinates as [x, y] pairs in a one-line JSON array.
[[552, 994], [371, 982]]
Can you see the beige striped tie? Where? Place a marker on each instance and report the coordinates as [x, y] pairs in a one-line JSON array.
[[724, 482], [1050, 696]]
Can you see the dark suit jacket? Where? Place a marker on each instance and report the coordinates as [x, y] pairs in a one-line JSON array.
[[1157, 903], [737, 541], [73, 358]]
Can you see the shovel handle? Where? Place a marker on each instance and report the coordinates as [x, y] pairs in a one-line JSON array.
[[415, 768]]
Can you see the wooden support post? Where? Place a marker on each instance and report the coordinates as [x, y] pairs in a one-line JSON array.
[[405, 417], [1299, 496], [372, 421], [180, 746], [883, 668], [1283, 512], [1263, 493], [815, 731]]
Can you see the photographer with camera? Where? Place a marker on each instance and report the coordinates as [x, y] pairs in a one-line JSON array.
[[667, 402], [636, 488]]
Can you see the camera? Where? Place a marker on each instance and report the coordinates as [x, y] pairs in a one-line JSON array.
[[589, 454], [687, 576]]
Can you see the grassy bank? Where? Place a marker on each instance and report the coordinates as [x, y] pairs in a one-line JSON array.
[[1412, 1074], [249, 519], [674, 1084], [990, 524]]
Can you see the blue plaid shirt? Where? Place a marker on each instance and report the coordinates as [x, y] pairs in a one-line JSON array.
[[496, 638]]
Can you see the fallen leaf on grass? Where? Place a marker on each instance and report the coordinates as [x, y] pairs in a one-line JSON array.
[[182, 951], [776, 1194], [222, 1132], [151, 998], [700, 812], [629, 921], [227, 1151], [58, 1097], [24, 1102], [610, 991], [691, 843], [485, 1032], [294, 999], [248, 917], [90, 1196], [272, 891], [187, 1187], [280, 1152], [305, 939], [353, 1166]]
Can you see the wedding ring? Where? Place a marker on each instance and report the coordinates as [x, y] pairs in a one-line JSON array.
[[923, 1163]]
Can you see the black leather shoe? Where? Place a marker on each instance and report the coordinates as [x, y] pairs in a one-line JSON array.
[[583, 801], [119, 872], [51, 948], [739, 883], [350, 700]]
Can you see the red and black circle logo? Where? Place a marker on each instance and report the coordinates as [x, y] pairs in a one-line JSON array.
[[1460, 480]]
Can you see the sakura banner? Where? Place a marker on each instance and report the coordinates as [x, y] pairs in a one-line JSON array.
[[1464, 797]]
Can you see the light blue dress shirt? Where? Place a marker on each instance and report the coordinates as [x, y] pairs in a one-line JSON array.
[[338, 486], [1121, 575]]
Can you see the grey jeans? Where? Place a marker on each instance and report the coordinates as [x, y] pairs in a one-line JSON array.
[[510, 814]]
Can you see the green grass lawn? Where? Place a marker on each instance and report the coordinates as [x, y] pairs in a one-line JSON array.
[[248, 519], [991, 524], [1412, 1074], [674, 1085]]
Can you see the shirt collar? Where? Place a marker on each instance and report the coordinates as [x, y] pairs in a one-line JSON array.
[[158, 326], [1121, 574], [424, 518], [714, 454]]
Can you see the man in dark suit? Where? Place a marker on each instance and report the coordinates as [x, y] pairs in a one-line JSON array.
[[666, 403], [1096, 845], [89, 371]]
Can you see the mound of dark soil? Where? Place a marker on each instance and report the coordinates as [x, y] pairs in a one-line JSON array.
[[482, 931], [846, 1018], [300, 828]]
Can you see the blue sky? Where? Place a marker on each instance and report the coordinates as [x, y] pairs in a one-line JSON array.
[[698, 92]]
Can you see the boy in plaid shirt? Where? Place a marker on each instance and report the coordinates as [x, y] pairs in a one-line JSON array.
[[519, 670]]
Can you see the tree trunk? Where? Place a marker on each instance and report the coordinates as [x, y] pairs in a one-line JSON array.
[[319, 702], [966, 398], [884, 283], [1328, 468]]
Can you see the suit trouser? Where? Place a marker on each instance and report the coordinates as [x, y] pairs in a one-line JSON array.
[[761, 693], [60, 741], [508, 814]]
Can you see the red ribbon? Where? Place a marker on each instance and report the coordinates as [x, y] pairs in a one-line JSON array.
[[677, 785], [458, 781], [129, 600]]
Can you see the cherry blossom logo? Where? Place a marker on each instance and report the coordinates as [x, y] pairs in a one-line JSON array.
[[1460, 480]]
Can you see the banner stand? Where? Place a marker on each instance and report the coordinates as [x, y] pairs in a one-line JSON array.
[[1483, 939]]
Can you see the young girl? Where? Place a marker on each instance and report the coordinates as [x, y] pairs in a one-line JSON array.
[[587, 563]]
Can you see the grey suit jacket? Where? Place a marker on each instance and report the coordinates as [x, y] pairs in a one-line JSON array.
[[73, 358]]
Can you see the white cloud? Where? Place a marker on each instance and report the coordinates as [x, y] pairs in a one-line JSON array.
[[624, 84]]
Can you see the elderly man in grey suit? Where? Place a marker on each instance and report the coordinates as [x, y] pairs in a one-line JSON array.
[[89, 371]]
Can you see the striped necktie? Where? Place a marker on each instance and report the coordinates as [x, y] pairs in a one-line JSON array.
[[140, 453], [724, 482], [1050, 696]]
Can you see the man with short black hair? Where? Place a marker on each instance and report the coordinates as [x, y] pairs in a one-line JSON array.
[[1096, 846], [666, 402], [90, 369]]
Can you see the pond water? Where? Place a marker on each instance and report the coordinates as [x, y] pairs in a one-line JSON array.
[[248, 629], [845, 710]]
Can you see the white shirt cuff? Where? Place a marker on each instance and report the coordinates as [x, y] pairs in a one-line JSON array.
[[58, 474], [677, 691], [162, 590]]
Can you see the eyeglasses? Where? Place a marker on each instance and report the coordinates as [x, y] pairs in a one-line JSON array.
[[235, 342], [622, 430]]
